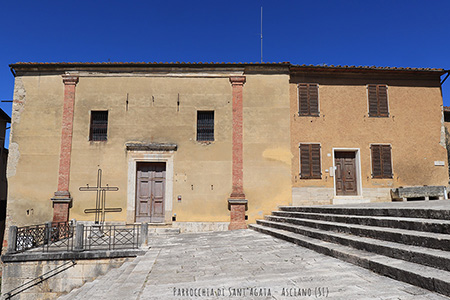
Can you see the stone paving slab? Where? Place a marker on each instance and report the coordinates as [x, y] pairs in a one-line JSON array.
[[245, 264]]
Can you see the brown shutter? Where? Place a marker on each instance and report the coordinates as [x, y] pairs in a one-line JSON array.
[[376, 161], [303, 109], [305, 161], [386, 161], [378, 104], [381, 161], [373, 101], [315, 161], [382, 101], [310, 161], [308, 97], [314, 99]]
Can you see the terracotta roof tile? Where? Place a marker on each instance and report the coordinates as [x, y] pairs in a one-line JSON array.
[[145, 63], [324, 66], [293, 66]]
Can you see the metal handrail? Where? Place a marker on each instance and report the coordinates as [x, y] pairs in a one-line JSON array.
[[39, 279]]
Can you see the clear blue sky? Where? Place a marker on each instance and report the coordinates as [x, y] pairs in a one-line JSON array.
[[402, 33]]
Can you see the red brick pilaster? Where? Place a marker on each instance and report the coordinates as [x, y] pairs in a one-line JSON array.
[[237, 204], [62, 200]]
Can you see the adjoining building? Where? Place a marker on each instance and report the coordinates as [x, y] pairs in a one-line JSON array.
[[358, 132], [4, 120], [209, 146]]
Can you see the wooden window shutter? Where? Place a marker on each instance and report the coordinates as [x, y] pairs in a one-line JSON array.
[[313, 99], [305, 161], [376, 161], [308, 97], [381, 161], [378, 102], [386, 161], [310, 161], [315, 161]]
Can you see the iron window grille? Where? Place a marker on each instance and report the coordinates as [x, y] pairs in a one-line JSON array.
[[99, 126], [205, 125]]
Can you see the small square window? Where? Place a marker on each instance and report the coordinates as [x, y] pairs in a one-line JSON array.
[[205, 125], [99, 126]]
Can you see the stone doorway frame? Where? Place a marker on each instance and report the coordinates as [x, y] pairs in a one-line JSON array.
[[135, 156], [358, 172]]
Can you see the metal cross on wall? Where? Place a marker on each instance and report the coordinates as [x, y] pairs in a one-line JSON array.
[[100, 202]]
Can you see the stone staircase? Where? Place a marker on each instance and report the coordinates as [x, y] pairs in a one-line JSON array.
[[125, 282], [408, 244]]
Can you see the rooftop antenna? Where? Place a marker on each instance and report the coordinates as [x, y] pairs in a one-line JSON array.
[[261, 34]]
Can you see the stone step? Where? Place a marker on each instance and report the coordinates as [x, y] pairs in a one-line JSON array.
[[99, 291], [412, 273], [79, 294], [163, 230], [430, 257], [101, 282], [417, 224], [131, 287], [74, 293], [442, 214], [409, 237]]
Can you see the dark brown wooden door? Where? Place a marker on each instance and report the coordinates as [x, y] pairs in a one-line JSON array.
[[345, 173], [150, 187]]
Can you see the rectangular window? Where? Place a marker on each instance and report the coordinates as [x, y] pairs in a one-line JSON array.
[[308, 99], [310, 161], [99, 126], [381, 161], [205, 125], [378, 100]]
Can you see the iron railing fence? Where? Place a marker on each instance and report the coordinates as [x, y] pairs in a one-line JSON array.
[[29, 237], [61, 237], [57, 237], [111, 237]]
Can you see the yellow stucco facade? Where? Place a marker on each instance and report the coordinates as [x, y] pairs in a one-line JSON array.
[[155, 107]]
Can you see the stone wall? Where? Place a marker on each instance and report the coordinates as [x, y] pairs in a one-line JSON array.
[[17, 273], [324, 196]]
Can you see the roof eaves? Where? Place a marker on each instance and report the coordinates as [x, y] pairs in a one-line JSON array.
[[364, 68]]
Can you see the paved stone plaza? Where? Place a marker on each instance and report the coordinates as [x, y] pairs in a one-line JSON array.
[[248, 265]]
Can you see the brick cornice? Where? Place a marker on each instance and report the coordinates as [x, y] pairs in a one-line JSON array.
[[237, 80], [70, 79]]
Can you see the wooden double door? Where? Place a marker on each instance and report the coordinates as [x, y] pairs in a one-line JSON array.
[[345, 173], [150, 192]]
